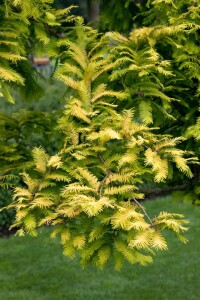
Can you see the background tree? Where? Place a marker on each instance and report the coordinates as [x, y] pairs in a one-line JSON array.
[[107, 15]]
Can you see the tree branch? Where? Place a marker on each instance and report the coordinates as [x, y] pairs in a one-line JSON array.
[[103, 160], [102, 183], [151, 193], [144, 211]]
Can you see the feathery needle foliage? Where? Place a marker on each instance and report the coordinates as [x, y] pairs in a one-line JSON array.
[[90, 189]]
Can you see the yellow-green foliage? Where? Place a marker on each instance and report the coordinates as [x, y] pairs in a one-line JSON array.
[[90, 190], [26, 27], [158, 65], [157, 62]]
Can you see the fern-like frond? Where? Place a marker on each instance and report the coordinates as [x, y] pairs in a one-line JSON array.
[[181, 164], [124, 217], [119, 190], [41, 34], [91, 178], [141, 240], [42, 202], [158, 242], [104, 135], [29, 223], [40, 159], [118, 95], [103, 255], [7, 74], [145, 110], [79, 242], [159, 165], [55, 161]]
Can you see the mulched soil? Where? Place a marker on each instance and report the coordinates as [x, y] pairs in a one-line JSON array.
[[7, 233]]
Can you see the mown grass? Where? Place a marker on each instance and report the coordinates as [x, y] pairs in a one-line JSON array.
[[34, 268]]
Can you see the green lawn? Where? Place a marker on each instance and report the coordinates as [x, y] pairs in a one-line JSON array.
[[34, 268]]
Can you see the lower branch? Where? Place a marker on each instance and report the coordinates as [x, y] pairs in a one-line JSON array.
[[160, 191]]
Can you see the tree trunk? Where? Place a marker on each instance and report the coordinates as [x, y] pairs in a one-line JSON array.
[[93, 7]]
